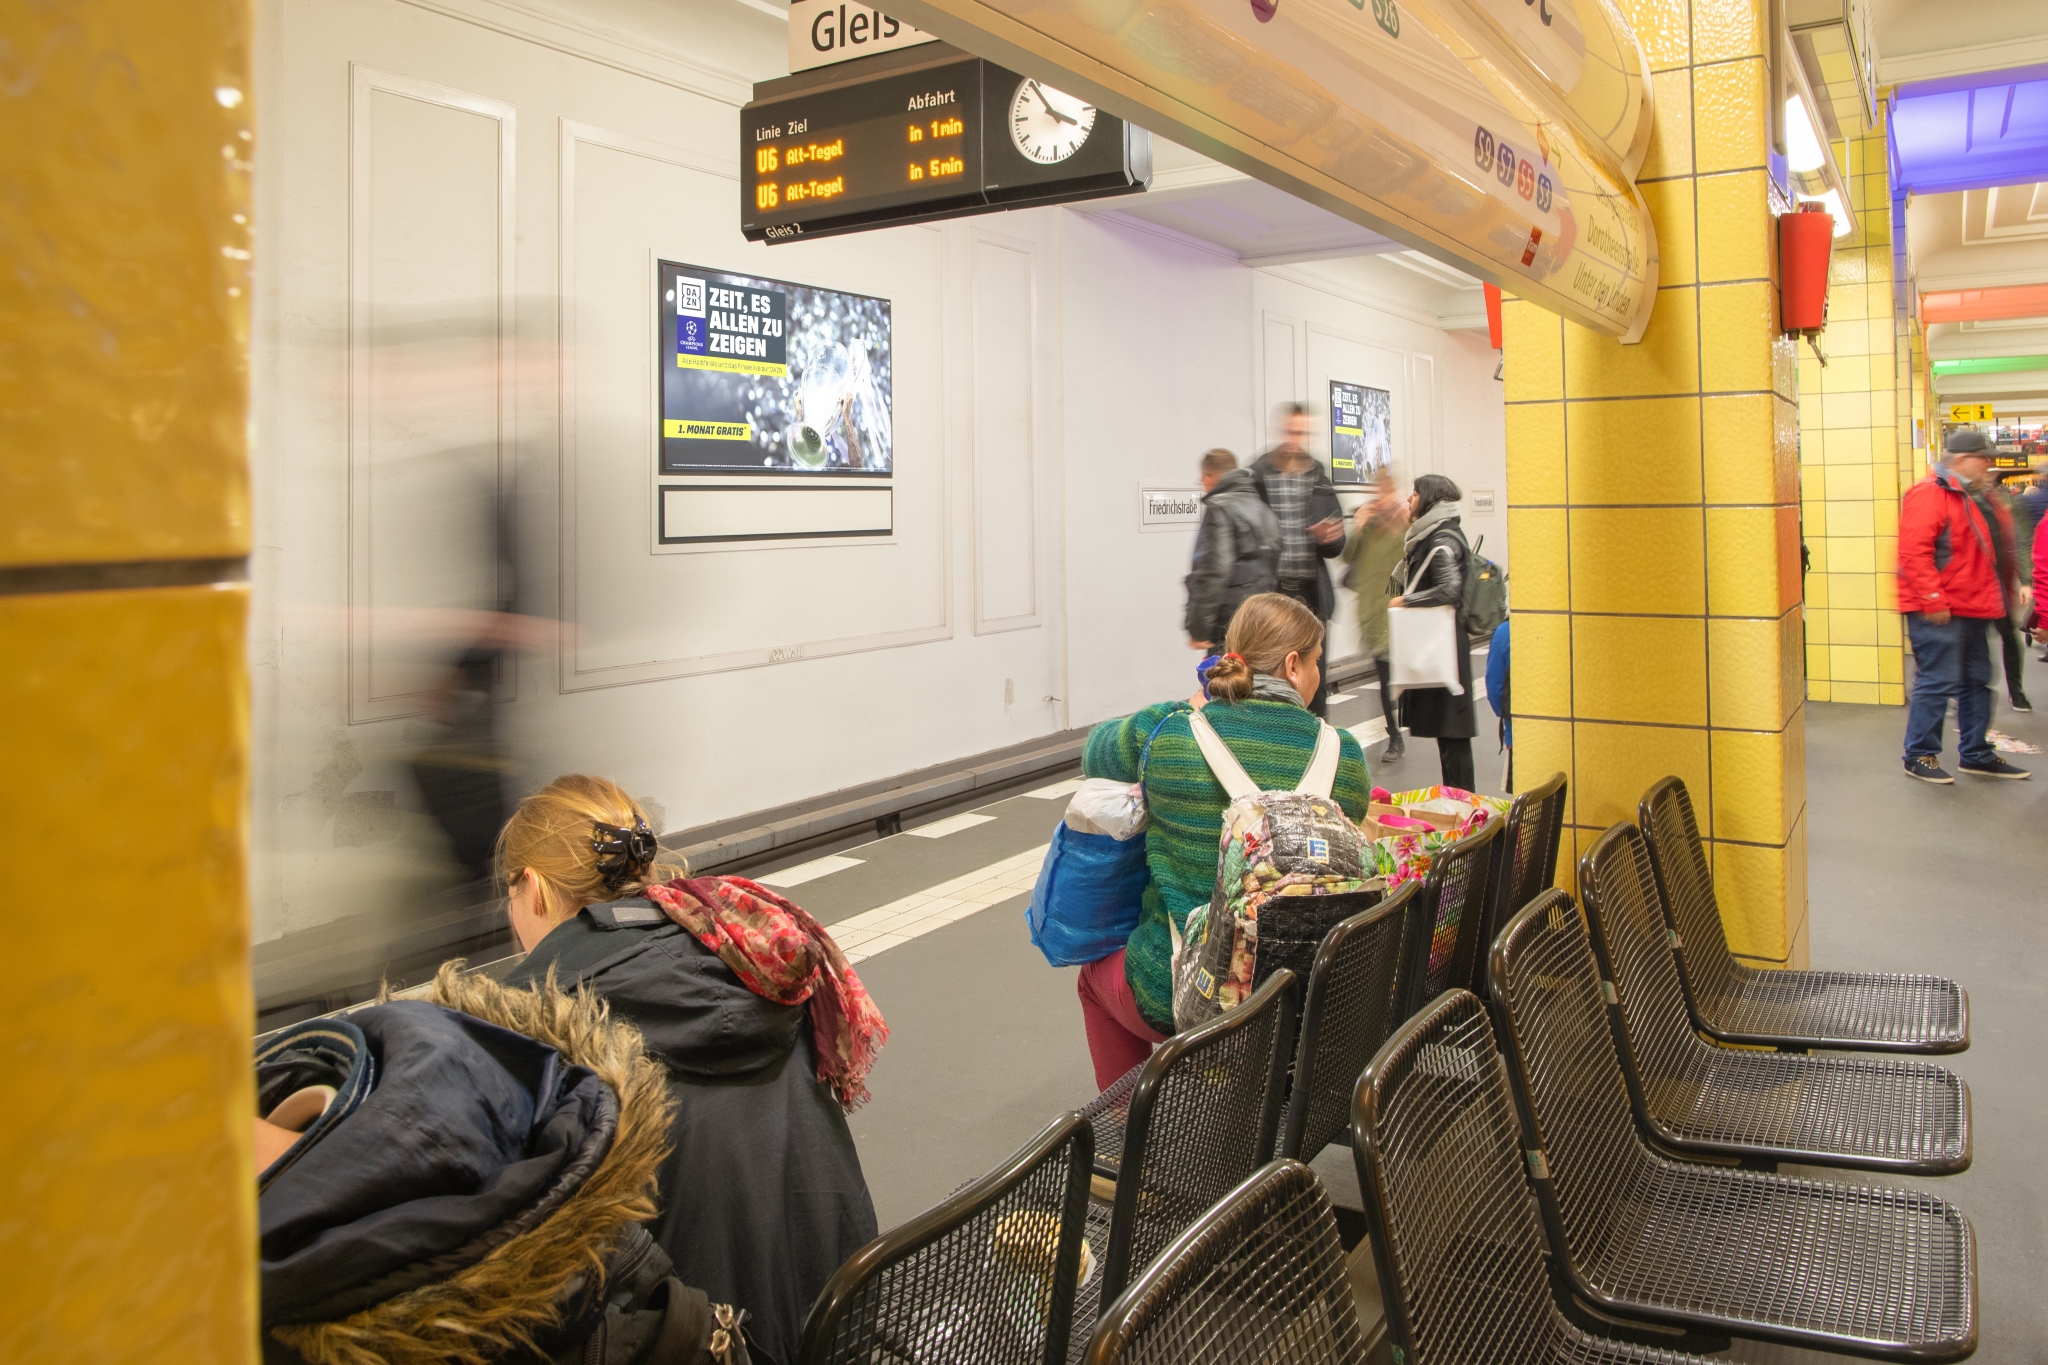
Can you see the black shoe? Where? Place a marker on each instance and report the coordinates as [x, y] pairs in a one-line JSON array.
[[1928, 769], [1997, 767], [1397, 748], [2019, 702]]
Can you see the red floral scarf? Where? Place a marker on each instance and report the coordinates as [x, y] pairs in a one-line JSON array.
[[780, 953]]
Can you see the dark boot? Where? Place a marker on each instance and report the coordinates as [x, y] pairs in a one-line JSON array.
[[1397, 745]]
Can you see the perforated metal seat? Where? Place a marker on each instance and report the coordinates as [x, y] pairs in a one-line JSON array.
[[1260, 1277], [1445, 917], [1524, 864], [1346, 1014], [986, 1277], [1863, 1011], [1867, 1270], [1203, 1115], [1872, 1113], [1462, 1263]]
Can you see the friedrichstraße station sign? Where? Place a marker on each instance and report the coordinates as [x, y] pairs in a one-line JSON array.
[[1499, 136]]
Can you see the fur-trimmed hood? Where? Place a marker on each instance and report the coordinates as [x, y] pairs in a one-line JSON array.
[[544, 1257]]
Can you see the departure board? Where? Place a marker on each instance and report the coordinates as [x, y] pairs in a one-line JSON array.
[[917, 136]]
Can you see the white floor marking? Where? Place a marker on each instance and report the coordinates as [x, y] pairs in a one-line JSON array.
[[809, 872], [1057, 790], [877, 930], [952, 824], [1370, 732], [1336, 697]]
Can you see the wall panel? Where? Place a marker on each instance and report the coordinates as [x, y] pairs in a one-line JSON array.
[[1005, 494]]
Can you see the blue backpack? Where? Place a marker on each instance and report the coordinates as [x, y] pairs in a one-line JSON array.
[[1090, 887]]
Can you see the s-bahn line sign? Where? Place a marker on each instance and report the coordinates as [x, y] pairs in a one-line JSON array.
[[1499, 136]]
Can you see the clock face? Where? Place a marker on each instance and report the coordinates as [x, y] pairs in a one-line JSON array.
[[1047, 126]]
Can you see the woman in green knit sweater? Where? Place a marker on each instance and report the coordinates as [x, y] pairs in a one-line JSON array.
[[1258, 704]]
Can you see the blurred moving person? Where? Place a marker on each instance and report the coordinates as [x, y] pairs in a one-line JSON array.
[[1950, 592], [766, 1033], [1298, 489], [464, 773], [2034, 505], [1436, 560], [1369, 558], [1237, 550], [1498, 680], [2005, 513]]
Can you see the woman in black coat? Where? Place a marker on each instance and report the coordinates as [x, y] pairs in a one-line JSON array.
[[1436, 562]]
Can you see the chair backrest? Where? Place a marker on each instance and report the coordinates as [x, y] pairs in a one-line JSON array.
[[1345, 1016], [1203, 1117], [1524, 864], [1260, 1277], [1444, 919], [985, 1278], [1567, 1070], [1633, 943], [1685, 889], [1462, 1262]]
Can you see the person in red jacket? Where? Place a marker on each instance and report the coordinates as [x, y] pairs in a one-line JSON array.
[[1952, 586]]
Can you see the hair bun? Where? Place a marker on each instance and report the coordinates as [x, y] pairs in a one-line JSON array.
[[1230, 679]]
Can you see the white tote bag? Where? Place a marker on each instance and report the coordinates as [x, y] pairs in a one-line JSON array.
[[1422, 642]]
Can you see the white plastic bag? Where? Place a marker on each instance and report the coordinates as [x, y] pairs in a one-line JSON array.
[[1104, 806], [1422, 647]]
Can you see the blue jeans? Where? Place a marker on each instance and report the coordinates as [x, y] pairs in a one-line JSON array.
[[1952, 660]]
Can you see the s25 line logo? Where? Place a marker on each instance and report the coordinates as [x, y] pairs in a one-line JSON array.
[[1386, 12], [1515, 171]]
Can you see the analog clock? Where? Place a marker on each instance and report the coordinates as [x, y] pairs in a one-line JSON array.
[[1047, 126]]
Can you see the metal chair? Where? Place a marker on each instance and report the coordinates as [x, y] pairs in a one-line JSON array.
[[986, 1277], [1347, 1013], [1863, 1011], [1524, 864], [1867, 1270], [1444, 919], [1696, 1098], [1462, 1263], [1203, 1115], [1260, 1277]]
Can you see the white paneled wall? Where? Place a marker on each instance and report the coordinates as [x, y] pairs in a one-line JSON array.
[[1005, 443]]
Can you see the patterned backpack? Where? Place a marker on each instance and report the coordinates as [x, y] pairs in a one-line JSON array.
[[1291, 867]]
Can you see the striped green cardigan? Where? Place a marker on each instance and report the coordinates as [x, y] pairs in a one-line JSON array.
[[1273, 740]]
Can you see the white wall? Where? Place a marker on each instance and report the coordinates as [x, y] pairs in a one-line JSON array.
[[460, 203]]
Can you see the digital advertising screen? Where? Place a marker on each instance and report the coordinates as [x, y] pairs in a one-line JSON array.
[[1361, 432], [764, 376]]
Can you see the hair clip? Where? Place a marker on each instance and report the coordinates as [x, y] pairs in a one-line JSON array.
[[622, 854]]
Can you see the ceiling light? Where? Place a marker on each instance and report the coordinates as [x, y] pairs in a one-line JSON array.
[[1802, 148], [1832, 201]]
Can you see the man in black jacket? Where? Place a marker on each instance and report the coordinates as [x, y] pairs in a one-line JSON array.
[[1298, 489], [1237, 550]]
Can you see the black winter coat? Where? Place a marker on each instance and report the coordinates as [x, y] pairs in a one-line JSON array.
[[1237, 554], [1433, 712], [1322, 505], [763, 1197]]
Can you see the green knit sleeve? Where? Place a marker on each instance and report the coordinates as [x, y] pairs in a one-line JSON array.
[[1114, 747], [1353, 788]]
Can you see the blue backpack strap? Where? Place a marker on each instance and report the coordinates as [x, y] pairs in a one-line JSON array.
[[1145, 756]]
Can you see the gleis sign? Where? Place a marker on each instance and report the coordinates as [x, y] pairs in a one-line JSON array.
[[1499, 136], [821, 33]]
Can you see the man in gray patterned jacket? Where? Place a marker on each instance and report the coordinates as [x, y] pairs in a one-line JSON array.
[[1237, 550]]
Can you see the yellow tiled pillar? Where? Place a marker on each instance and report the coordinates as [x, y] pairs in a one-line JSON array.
[[1653, 503], [127, 1221], [1854, 412]]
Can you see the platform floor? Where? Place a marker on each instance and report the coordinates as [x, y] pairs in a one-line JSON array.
[[987, 1044]]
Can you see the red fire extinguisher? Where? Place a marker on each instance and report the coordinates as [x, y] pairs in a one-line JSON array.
[[1805, 241]]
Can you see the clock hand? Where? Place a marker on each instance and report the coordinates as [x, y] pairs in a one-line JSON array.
[[1063, 118]]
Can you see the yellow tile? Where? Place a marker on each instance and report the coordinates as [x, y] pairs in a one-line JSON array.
[[1817, 591], [1819, 620], [1750, 885], [1532, 344], [1722, 29], [1847, 300], [1635, 450], [1847, 555], [1671, 129], [1889, 630], [1819, 547], [1664, 28], [1736, 323], [1736, 228], [1542, 568], [1857, 693], [1741, 449], [1636, 559], [1891, 694], [1542, 664], [1850, 338], [1850, 519], [1846, 445], [1616, 764], [1857, 591], [1671, 210], [1852, 627], [1746, 672], [1891, 664], [125, 306], [132, 1206], [1885, 515], [1850, 483], [1639, 668], [1814, 520], [1543, 747], [1752, 552], [1846, 268], [1884, 554], [1850, 411], [1791, 657], [1666, 361], [1536, 460], [1817, 689], [1728, 116], [1852, 663], [1759, 782]]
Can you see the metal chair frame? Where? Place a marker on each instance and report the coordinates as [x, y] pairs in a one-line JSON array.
[[1789, 1010], [1255, 1286], [1524, 864], [1341, 1025], [1067, 1140], [1693, 1097], [1429, 916], [1865, 1270], [1499, 1303]]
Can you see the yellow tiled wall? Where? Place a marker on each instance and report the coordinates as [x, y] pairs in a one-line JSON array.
[[1654, 505], [1855, 414], [127, 1220]]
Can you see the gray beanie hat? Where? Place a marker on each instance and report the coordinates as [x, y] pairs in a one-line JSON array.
[[1965, 441]]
